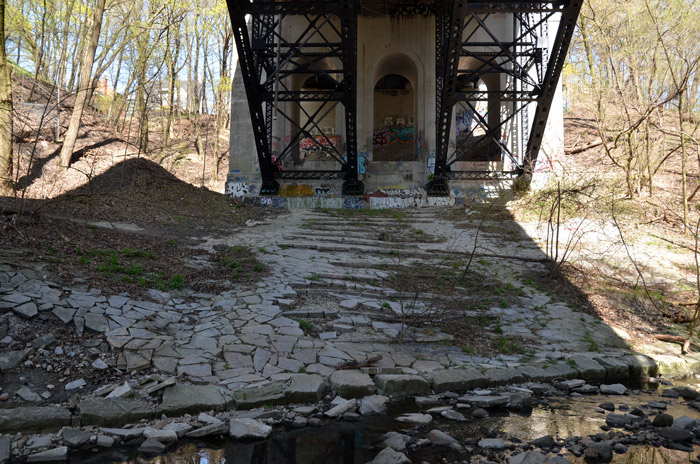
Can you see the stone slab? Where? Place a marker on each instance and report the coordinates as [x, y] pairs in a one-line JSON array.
[[402, 385], [190, 399], [34, 419], [458, 380], [114, 411]]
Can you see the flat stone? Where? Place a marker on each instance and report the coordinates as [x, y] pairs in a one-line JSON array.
[[614, 389], [27, 310], [5, 442], [16, 298], [190, 399], [12, 359], [341, 408], [492, 443], [415, 418], [195, 370], [675, 434], [114, 411], [457, 380], [99, 364], [33, 419], [485, 401], [52, 455], [588, 368], [620, 420], [685, 422], [531, 457], [547, 374], [104, 441], [44, 341], [389, 456], [122, 391], [163, 436], [374, 404], [253, 397], [96, 322], [152, 446], [210, 429], [27, 395], [352, 383], [451, 414], [36, 442], [402, 385], [180, 428], [328, 335], [126, 434], [64, 314], [248, 428], [76, 384], [75, 437], [305, 388]]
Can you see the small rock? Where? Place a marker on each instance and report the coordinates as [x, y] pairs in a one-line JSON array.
[[100, 364], [152, 446], [543, 442], [248, 428], [607, 406], [80, 383], [492, 443], [619, 448], [103, 441], [663, 420], [389, 456], [480, 413], [375, 404], [438, 437], [75, 437], [453, 415], [614, 389]]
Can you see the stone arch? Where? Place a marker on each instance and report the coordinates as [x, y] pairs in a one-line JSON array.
[[396, 61]]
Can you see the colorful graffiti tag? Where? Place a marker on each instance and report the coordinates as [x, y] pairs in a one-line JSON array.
[[392, 136], [314, 144]]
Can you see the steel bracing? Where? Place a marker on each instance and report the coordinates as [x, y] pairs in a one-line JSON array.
[[470, 47], [270, 61], [468, 50]]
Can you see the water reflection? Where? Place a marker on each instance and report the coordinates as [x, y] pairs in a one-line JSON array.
[[354, 442]]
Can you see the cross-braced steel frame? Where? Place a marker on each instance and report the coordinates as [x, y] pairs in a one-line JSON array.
[[467, 49], [270, 60]]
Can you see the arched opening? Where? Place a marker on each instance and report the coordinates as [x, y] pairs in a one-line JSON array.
[[476, 122], [394, 119], [320, 134]]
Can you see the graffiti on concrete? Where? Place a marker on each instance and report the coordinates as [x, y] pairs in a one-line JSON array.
[[319, 143], [404, 193], [355, 203], [324, 191], [237, 189], [296, 190], [392, 136]]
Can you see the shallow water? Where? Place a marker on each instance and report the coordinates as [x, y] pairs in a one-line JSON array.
[[342, 442]]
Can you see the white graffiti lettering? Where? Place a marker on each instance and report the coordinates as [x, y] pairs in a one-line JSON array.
[[237, 189]]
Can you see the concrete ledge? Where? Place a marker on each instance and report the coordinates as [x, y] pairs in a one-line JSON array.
[[114, 411], [191, 399], [34, 419], [401, 385], [458, 380]]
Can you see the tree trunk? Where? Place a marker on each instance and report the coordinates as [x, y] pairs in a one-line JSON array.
[[85, 80], [6, 184]]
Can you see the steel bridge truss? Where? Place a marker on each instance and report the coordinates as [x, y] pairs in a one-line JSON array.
[[270, 60], [528, 71]]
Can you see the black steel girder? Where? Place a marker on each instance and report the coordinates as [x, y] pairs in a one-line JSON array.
[[271, 59], [521, 61]]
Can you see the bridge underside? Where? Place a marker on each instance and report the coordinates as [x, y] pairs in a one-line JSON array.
[[470, 48]]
